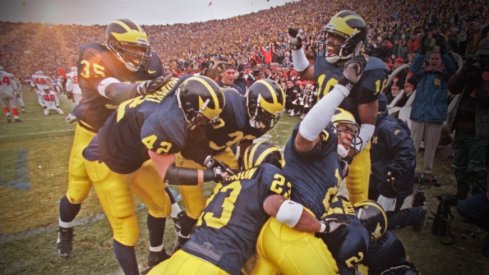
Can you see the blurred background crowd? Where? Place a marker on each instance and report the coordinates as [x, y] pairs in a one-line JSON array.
[[255, 39]]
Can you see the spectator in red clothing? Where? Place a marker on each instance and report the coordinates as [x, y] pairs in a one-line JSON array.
[[413, 43]]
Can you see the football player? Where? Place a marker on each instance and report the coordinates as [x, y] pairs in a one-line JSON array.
[[242, 120], [343, 37], [50, 101], [110, 73], [229, 225], [72, 85], [312, 164], [41, 82], [156, 126], [8, 87], [386, 253], [19, 96]]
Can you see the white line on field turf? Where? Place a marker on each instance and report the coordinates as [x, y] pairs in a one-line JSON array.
[[8, 237], [39, 133], [42, 118], [5, 238]]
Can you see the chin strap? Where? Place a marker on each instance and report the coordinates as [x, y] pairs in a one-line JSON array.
[[341, 150]]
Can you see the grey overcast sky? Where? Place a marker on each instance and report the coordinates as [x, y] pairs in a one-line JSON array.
[[145, 12]]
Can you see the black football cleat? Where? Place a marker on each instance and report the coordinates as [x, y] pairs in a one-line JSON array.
[[64, 244], [155, 258]]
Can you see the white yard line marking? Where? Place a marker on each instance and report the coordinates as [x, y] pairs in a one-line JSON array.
[[39, 133], [43, 118], [8, 237]]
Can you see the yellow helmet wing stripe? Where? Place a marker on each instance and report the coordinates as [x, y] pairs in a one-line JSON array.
[[275, 106], [264, 154], [250, 155], [247, 159], [208, 112], [132, 36], [341, 25], [381, 210]]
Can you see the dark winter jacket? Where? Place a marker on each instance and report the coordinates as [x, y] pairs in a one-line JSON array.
[[392, 151], [471, 111]]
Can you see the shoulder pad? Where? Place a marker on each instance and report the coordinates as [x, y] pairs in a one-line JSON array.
[[375, 63], [270, 168], [93, 47]]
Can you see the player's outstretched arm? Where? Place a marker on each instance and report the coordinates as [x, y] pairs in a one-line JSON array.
[[320, 115], [295, 216], [299, 59], [118, 92], [165, 165]]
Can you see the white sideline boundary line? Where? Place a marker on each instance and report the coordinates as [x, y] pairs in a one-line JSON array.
[[38, 133]]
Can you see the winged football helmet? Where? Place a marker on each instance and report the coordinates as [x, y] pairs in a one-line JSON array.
[[129, 43], [265, 102], [262, 152], [373, 218], [350, 28], [200, 99]]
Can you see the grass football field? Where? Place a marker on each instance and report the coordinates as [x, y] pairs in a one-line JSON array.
[[33, 177]]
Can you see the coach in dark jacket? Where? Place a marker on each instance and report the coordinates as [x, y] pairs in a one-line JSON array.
[[393, 167]]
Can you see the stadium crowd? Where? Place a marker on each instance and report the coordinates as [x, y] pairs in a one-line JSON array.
[[249, 39], [255, 40]]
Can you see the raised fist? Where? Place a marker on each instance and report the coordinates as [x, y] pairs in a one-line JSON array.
[[296, 37], [423, 44], [353, 70], [441, 42], [153, 85]]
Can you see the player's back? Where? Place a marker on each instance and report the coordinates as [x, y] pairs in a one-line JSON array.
[[73, 77], [120, 143], [315, 175], [6, 82], [230, 223], [42, 81]]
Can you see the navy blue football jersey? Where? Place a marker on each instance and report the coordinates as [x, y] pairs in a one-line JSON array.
[[349, 245], [366, 90], [95, 63], [229, 129], [315, 175], [154, 122], [228, 228]]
